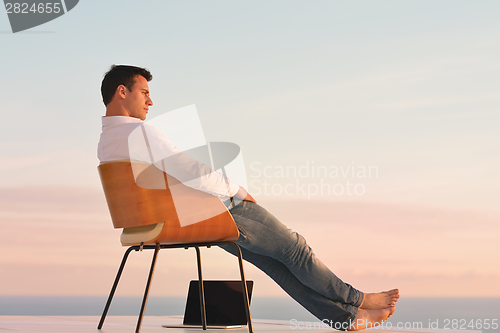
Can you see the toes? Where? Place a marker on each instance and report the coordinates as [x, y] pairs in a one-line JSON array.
[[391, 311], [387, 313]]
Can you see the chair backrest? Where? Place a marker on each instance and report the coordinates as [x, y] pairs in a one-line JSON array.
[[146, 198]]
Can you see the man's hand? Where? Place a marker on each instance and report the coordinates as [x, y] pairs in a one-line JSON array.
[[244, 195]]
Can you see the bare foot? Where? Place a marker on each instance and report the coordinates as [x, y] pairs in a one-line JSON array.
[[370, 318], [374, 301]]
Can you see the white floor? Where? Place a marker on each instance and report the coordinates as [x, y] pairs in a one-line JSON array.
[[119, 324]]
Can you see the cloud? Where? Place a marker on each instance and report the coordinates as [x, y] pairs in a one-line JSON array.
[[55, 166], [22, 162]]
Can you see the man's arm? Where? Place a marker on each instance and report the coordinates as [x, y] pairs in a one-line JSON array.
[[167, 157], [244, 195]]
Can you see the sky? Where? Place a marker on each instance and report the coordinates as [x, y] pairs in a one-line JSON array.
[[370, 127]]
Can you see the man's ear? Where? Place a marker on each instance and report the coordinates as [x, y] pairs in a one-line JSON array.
[[121, 91]]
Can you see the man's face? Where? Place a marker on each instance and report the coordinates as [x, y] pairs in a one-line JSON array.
[[137, 101]]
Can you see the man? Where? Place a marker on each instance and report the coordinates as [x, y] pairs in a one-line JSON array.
[[265, 242]]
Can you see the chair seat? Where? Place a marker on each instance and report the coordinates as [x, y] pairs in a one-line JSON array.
[[143, 234], [160, 233]]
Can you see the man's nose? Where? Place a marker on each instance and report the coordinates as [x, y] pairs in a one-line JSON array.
[[150, 101]]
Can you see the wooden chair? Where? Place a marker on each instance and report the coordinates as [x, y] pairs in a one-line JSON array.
[[140, 201]]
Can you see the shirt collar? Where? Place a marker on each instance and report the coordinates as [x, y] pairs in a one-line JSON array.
[[115, 120]]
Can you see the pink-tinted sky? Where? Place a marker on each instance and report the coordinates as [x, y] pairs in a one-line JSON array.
[[60, 242]]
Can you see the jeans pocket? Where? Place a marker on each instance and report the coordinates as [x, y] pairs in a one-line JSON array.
[[243, 234]]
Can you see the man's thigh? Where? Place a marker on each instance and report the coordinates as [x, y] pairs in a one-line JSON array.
[[263, 233]]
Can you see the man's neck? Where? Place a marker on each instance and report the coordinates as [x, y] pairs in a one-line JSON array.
[[113, 110]]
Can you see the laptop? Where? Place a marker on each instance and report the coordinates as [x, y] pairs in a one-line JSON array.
[[223, 303]]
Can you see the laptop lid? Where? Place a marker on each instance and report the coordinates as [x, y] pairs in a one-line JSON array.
[[223, 303]]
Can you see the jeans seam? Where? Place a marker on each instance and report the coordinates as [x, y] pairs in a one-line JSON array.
[[361, 297], [241, 229]]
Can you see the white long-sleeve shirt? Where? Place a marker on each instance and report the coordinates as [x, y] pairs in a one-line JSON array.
[[123, 138]]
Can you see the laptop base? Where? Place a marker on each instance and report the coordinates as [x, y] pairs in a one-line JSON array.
[[208, 326]]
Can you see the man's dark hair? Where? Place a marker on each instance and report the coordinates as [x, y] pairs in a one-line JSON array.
[[121, 75]]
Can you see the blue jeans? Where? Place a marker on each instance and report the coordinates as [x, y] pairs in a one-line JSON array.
[[285, 257]]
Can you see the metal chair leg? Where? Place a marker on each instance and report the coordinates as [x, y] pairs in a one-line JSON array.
[[157, 247], [244, 286], [201, 290], [115, 284], [146, 292]]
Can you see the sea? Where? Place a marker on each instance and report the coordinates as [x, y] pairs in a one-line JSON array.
[[481, 314]]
